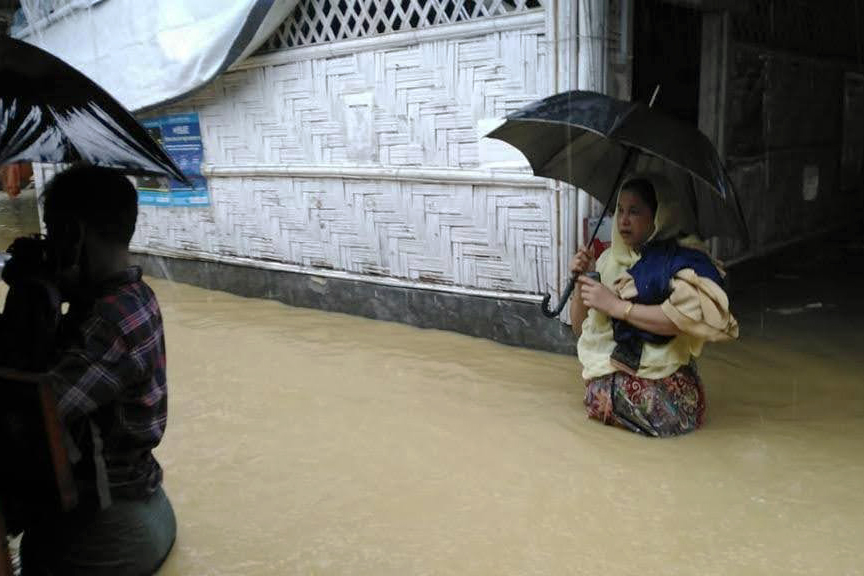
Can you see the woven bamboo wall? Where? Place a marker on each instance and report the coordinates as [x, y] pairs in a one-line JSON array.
[[364, 157]]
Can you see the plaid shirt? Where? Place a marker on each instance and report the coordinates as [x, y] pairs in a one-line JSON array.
[[112, 369]]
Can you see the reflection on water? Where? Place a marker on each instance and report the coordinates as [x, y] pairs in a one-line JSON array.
[[18, 216], [303, 442]]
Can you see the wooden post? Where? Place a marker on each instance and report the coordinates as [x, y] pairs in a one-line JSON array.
[[563, 33], [593, 72], [66, 496], [66, 492], [713, 79]]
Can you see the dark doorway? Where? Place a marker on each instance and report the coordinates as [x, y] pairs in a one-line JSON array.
[[667, 50]]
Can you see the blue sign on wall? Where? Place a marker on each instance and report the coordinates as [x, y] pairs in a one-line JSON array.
[[180, 136]]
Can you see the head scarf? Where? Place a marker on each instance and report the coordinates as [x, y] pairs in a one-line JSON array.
[[674, 219]]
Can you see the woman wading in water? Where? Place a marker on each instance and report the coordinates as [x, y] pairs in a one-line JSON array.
[[658, 300]]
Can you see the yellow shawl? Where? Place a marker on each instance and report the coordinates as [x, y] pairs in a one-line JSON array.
[[697, 305]]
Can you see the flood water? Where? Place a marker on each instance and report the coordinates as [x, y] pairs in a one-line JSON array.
[[305, 442]]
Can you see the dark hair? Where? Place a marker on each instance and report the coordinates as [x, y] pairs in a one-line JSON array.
[[645, 190], [103, 199]]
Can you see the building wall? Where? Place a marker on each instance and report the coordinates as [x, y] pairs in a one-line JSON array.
[[364, 157], [347, 169], [792, 117]]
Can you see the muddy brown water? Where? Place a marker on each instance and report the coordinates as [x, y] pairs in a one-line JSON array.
[[305, 442]]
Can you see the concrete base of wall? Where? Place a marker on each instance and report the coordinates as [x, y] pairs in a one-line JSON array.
[[504, 321]]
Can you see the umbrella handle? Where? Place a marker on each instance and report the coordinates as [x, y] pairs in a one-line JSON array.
[[548, 312], [544, 306]]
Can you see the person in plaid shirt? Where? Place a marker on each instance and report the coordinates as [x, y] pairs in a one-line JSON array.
[[110, 384]]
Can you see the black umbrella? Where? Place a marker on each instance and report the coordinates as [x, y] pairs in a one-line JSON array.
[[50, 112], [591, 140]]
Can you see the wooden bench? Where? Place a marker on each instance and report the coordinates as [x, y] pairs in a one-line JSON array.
[[29, 401]]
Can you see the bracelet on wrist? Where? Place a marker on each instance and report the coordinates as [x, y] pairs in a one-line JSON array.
[[627, 311]]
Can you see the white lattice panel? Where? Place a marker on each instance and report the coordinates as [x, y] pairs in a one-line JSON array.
[[414, 106], [317, 21]]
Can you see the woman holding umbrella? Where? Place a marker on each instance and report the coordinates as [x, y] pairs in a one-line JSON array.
[[659, 298]]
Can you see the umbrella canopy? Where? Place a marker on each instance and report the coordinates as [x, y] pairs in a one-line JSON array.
[[588, 139], [50, 112]]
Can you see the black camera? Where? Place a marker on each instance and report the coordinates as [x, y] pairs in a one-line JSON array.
[[30, 257], [32, 311]]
